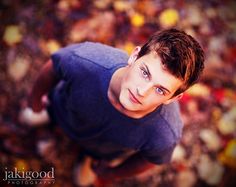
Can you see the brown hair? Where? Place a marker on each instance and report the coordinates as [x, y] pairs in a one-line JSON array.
[[180, 53]]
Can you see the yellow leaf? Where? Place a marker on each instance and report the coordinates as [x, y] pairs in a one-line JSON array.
[[52, 46], [137, 20], [129, 47], [21, 165], [199, 90], [12, 35], [228, 156], [169, 18]]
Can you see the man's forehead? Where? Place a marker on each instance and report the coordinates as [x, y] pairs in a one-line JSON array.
[[152, 57]]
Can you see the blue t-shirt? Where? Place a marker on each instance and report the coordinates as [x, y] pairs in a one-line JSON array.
[[80, 105]]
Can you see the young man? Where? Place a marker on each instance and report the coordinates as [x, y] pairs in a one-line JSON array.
[[117, 106]]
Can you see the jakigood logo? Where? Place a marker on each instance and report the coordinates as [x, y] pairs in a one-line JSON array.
[[19, 177]]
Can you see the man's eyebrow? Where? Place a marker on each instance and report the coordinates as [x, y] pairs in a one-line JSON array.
[[151, 76], [147, 69], [164, 88]]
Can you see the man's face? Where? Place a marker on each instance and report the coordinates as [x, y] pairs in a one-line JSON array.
[[146, 85]]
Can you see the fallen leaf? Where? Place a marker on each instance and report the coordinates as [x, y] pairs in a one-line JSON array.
[[12, 35], [21, 165], [228, 156], [216, 44], [178, 154], [83, 174], [194, 15], [52, 46], [44, 146], [63, 5], [186, 178], [18, 69], [211, 139], [227, 124], [121, 5], [49, 46], [129, 47], [101, 4], [94, 28], [199, 90], [169, 18], [137, 20], [210, 171]]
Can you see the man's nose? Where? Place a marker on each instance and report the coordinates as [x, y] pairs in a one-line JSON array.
[[144, 89]]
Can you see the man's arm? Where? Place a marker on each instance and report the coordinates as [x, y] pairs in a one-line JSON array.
[[134, 165], [45, 81]]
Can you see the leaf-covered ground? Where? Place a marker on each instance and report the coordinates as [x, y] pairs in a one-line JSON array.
[[31, 30]]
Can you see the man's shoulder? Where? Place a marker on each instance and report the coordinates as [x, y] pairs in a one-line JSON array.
[[99, 54], [171, 115], [166, 123]]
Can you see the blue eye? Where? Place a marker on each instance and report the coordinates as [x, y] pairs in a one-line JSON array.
[[159, 91], [144, 73]]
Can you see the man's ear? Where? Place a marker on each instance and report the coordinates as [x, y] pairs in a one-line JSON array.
[[134, 55], [175, 98]]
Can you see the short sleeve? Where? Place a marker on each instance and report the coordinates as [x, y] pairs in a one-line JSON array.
[[157, 156], [64, 62]]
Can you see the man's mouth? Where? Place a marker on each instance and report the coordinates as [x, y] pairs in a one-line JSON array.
[[133, 98]]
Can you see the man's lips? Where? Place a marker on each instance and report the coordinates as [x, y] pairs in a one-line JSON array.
[[133, 98]]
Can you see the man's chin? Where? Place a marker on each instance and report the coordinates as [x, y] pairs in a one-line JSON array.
[[128, 107]]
